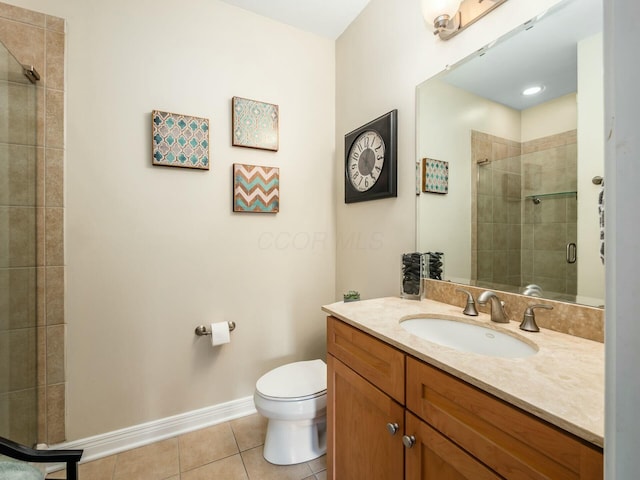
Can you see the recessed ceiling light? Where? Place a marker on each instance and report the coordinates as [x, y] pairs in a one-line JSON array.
[[533, 90]]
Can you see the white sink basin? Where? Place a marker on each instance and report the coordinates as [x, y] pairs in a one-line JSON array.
[[468, 337]]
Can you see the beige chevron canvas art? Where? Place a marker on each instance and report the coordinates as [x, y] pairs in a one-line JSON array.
[[256, 189]]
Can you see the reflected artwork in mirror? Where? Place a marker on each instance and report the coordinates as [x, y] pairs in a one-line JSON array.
[[521, 214]]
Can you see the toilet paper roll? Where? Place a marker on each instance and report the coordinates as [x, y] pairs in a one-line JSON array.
[[220, 333]]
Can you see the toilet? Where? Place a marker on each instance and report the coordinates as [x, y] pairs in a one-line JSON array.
[[293, 397]]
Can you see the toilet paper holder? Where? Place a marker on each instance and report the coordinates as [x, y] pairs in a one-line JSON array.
[[203, 330]]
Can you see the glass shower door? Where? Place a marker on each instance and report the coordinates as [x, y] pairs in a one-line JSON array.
[[18, 261]]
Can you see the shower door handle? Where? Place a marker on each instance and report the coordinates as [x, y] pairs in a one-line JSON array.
[[571, 252]]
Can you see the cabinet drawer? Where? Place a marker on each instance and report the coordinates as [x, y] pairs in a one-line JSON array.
[[379, 363], [510, 441]]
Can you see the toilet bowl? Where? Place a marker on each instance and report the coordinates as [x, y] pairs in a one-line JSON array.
[[293, 397]]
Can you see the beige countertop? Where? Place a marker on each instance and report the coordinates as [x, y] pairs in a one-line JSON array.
[[563, 383]]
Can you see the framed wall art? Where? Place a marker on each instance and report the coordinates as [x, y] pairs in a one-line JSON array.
[[254, 124], [435, 176], [256, 189], [180, 140]]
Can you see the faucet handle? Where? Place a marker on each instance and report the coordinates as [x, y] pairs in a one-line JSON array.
[[529, 319], [470, 309]]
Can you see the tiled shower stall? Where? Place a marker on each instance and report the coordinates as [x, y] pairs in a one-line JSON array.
[[32, 323], [526, 211]]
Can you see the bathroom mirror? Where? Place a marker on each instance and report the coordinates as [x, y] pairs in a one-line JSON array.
[[521, 212]]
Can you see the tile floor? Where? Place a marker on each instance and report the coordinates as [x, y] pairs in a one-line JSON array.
[[228, 451]]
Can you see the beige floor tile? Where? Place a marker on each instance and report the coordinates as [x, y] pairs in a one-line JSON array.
[[318, 464], [206, 445], [230, 468], [249, 431], [152, 462], [321, 475], [259, 469]]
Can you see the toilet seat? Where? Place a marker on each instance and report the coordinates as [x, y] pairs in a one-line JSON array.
[[291, 399], [294, 381]]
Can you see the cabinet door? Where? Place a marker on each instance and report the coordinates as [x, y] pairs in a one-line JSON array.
[[359, 445], [510, 441], [434, 457]]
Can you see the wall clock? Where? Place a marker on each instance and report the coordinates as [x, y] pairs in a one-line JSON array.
[[370, 163]]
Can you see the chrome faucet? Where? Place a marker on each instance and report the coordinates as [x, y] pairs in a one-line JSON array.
[[532, 290], [498, 314]]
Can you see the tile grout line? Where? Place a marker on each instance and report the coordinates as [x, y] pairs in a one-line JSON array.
[[233, 432], [179, 457], [113, 471]]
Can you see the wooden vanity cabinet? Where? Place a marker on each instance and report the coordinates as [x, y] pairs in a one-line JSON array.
[[452, 430], [364, 400]]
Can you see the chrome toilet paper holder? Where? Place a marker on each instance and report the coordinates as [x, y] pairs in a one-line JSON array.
[[202, 330]]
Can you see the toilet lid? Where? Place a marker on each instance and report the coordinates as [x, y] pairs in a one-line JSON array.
[[299, 379]]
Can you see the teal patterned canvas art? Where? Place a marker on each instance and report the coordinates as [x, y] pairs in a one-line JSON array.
[[255, 124], [180, 140], [435, 176]]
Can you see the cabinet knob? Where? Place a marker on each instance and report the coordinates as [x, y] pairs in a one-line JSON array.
[[392, 428], [408, 441]]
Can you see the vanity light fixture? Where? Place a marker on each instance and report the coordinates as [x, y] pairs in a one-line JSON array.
[[450, 17], [533, 90]]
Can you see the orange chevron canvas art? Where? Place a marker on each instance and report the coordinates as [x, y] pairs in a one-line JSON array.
[[256, 189]]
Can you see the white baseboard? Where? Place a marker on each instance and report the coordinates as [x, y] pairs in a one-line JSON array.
[[128, 438]]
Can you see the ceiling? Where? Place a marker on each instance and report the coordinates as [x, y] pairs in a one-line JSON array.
[[543, 52], [328, 18]]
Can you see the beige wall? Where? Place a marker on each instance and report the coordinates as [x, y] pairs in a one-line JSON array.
[[446, 117], [152, 252], [374, 74], [549, 118], [591, 275]]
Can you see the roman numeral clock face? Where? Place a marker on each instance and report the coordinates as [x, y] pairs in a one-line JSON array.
[[366, 160], [371, 160]]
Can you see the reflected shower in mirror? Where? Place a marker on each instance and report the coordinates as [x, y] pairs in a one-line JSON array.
[[521, 212]]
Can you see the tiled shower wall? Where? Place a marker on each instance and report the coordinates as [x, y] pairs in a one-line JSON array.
[[550, 171], [497, 173], [516, 241], [39, 40]]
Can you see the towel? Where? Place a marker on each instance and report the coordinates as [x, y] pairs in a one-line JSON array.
[[19, 471], [601, 215]]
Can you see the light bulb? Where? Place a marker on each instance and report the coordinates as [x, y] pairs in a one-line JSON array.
[[534, 90], [432, 9]]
